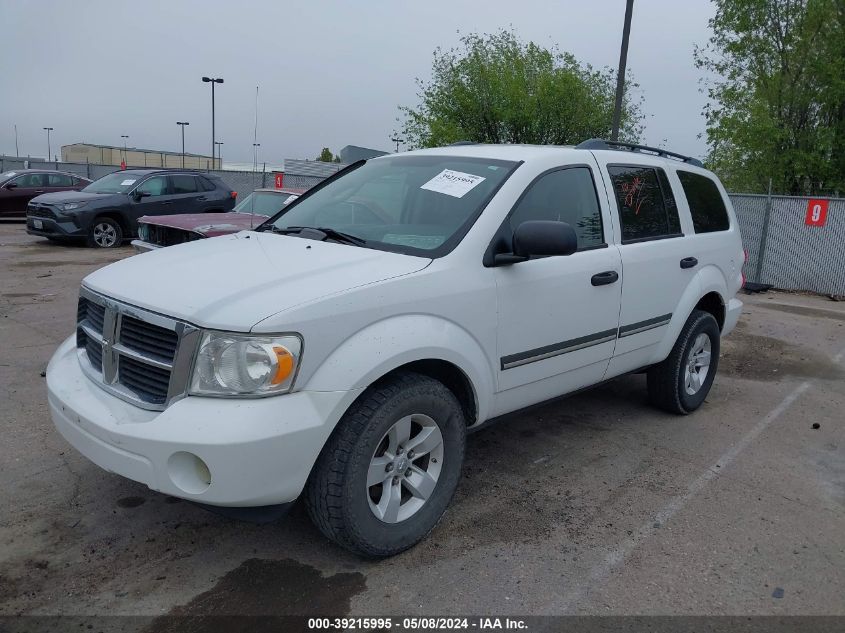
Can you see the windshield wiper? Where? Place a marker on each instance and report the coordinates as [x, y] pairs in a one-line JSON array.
[[313, 232]]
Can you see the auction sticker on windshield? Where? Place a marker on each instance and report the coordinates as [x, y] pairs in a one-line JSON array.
[[452, 183], [127, 182]]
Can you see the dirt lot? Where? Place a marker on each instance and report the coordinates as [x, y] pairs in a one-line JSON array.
[[594, 505]]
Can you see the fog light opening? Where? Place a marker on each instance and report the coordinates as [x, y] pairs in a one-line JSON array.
[[189, 473]]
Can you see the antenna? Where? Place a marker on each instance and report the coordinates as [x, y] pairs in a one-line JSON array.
[[254, 161]]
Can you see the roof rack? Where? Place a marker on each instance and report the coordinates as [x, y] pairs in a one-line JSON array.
[[462, 143], [597, 143]]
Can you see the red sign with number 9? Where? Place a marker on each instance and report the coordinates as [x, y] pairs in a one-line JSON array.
[[816, 213]]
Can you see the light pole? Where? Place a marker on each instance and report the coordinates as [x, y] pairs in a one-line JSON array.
[[125, 137], [212, 81], [620, 77], [49, 129], [219, 153], [397, 140], [255, 147], [17, 151], [182, 125]]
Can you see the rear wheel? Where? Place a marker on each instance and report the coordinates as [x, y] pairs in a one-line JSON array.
[[388, 472], [681, 382], [105, 233]]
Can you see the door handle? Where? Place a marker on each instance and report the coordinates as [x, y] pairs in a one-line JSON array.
[[39, 191], [689, 262], [602, 279], [168, 202], [202, 198]]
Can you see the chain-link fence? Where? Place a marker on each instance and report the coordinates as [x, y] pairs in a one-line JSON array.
[[787, 253], [244, 182]]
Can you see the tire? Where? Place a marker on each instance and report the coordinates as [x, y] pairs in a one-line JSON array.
[[361, 517], [105, 233], [671, 382]]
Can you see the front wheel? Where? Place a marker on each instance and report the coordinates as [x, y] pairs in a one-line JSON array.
[[389, 470], [681, 382], [105, 233]]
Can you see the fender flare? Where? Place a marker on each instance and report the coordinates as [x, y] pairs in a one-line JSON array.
[[399, 340]]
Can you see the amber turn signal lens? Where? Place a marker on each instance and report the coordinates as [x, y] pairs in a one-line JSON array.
[[284, 367]]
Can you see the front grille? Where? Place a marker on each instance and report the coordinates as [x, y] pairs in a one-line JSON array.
[[149, 339], [168, 236], [40, 210], [132, 352], [149, 383]]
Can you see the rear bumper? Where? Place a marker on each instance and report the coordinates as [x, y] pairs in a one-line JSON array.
[[732, 312]]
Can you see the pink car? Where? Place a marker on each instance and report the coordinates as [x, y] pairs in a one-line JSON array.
[[157, 231]]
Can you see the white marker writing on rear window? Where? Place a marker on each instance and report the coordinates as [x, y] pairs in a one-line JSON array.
[[452, 183]]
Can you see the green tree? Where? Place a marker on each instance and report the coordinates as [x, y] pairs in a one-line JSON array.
[[777, 106], [326, 155], [499, 89]]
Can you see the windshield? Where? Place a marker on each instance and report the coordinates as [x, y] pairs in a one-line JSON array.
[[264, 203], [420, 205], [6, 175], [119, 182]]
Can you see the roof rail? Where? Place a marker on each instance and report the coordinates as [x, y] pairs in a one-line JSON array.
[[597, 143], [462, 143]]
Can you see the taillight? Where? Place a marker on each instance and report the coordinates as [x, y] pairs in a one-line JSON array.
[[234, 195]]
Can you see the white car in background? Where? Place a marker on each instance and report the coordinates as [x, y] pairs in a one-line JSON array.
[[342, 353]]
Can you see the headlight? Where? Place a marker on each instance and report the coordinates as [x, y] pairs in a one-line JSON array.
[[70, 206], [245, 365], [144, 232]]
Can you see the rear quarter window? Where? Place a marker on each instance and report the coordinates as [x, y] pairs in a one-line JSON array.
[[705, 203]]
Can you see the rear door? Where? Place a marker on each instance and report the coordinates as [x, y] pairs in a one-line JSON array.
[[187, 194], [60, 182], [653, 249], [558, 316]]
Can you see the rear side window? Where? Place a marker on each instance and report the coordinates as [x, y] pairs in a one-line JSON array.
[[184, 184], [705, 203], [566, 195], [205, 184], [647, 208], [59, 180]]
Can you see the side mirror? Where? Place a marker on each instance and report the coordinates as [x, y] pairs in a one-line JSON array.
[[140, 194], [12, 185], [544, 238]]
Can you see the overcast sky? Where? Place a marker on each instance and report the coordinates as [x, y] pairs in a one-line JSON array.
[[331, 72]]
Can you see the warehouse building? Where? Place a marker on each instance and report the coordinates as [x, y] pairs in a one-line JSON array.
[[134, 157]]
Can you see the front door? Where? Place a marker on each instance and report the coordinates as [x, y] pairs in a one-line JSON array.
[[23, 189], [558, 316], [157, 201]]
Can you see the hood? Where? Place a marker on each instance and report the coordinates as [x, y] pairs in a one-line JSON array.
[[60, 197], [208, 224], [234, 281]]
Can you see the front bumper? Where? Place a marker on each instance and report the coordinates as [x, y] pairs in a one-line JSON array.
[[253, 452], [141, 246], [50, 227]]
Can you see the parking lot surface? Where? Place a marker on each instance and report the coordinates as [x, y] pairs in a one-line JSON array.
[[595, 504]]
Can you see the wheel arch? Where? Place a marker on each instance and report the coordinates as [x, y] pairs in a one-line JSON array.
[[706, 291]]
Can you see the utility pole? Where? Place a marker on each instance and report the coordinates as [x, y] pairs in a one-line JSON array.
[[397, 140], [49, 129], [182, 124], [620, 77], [212, 81]]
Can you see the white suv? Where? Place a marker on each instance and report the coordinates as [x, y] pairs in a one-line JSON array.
[[341, 351]]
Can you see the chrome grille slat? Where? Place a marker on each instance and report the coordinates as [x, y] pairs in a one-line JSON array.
[[132, 352]]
